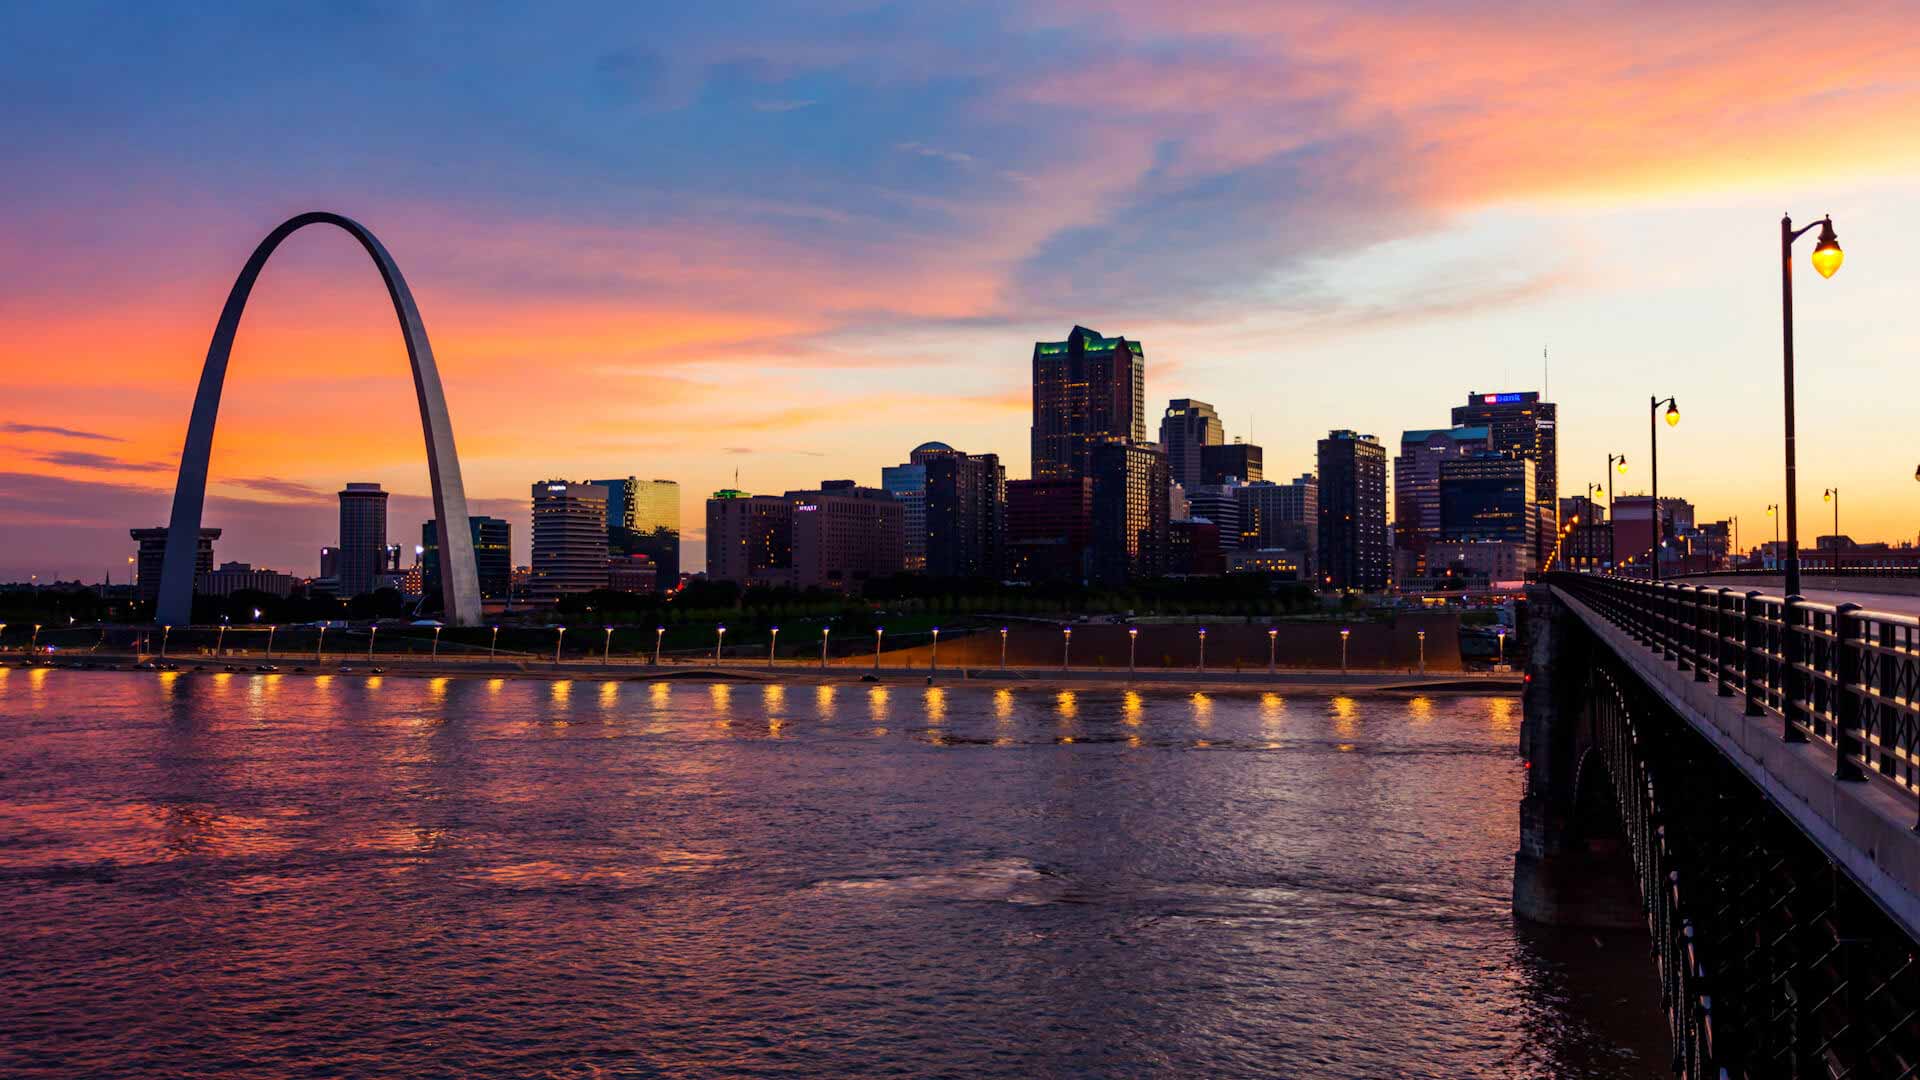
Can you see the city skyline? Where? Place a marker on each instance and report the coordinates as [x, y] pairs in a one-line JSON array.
[[1270, 230]]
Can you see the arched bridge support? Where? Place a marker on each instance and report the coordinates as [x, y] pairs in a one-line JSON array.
[[459, 577]]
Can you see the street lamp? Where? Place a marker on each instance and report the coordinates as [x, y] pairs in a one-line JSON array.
[[1066, 647], [1203, 650], [1773, 511], [878, 633], [558, 638], [606, 647], [1133, 639], [1422, 635], [1826, 260], [1615, 463], [1832, 495], [824, 631], [1653, 443], [1003, 648], [1343, 649], [1273, 640], [270, 629], [659, 632], [933, 662], [719, 641], [493, 645], [317, 646], [220, 638], [436, 643], [1500, 636], [373, 632], [773, 645]]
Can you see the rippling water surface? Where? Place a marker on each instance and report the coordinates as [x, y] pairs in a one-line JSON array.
[[274, 875]]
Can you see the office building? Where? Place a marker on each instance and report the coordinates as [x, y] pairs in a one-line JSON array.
[[1633, 526], [908, 483], [1220, 504], [620, 500], [1229, 463], [492, 556], [845, 535], [1520, 425], [1193, 549], [965, 507], [1489, 499], [1129, 535], [632, 573], [656, 529], [1185, 428], [1086, 389], [750, 538], [569, 539], [1281, 564], [362, 556], [1049, 523], [1282, 516], [152, 554], [235, 577], [1353, 512], [1416, 490]]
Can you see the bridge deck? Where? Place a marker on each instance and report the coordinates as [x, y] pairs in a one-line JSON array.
[[1862, 826]]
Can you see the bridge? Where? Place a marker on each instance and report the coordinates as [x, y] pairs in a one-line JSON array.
[[1739, 773]]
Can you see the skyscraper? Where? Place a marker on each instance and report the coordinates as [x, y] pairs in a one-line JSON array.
[[1185, 427], [620, 500], [965, 511], [1129, 535], [492, 556], [1219, 504], [845, 535], [1524, 426], [1488, 498], [153, 552], [1282, 516], [1049, 523], [569, 539], [1353, 512], [1086, 389], [655, 531], [1234, 462], [750, 538], [362, 555], [1416, 489]]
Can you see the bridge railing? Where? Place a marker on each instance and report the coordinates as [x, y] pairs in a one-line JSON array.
[[1836, 674]]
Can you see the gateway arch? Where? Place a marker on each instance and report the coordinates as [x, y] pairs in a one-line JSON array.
[[459, 579]]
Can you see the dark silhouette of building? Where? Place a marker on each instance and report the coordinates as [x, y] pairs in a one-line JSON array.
[[1416, 490], [1193, 548], [153, 552], [569, 539], [966, 512], [750, 538], [1523, 426], [1353, 512], [1185, 428], [1086, 389], [1129, 537], [1219, 504], [1049, 523], [1282, 516], [492, 556], [362, 555], [1227, 463], [1489, 499]]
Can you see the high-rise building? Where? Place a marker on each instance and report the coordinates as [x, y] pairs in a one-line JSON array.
[[1086, 389], [845, 535], [1193, 549], [750, 538], [1488, 498], [1282, 517], [620, 500], [966, 512], [1219, 504], [1416, 490], [152, 554], [656, 529], [1185, 427], [1048, 526], [362, 555], [1227, 463], [1523, 426], [1129, 536], [492, 556], [1353, 512], [569, 539], [907, 482]]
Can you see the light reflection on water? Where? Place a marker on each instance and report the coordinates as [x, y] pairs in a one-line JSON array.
[[297, 875]]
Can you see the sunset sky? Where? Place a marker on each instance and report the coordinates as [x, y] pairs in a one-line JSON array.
[[797, 240]]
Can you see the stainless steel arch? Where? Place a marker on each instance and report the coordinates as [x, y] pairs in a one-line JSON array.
[[459, 579]]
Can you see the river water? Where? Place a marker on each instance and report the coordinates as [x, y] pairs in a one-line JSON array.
[[278, 875]]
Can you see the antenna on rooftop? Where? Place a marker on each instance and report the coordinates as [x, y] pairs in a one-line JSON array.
[[1546, 376]]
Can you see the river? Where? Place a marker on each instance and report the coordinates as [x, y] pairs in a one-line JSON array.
[[279, 875]]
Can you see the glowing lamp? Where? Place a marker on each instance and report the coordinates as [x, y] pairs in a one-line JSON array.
[[1622, 466], [1826, 253], [1673, 415]]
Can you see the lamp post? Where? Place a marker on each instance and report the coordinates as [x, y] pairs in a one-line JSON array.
[[1133, 639], [1422, 635], [1826, 260], [1653, 444], [3, 632], [933, 661], [606, 647], [373, 633], [1273, 641], [719, 641], [220, 638], [1773, 511], [436, 643], [1615, 463], [878, 633], [1203, 650], [1003, 648], [1500, 636], [557, 640], [1066, 647], [1832, 495], [659, 632], [317, 646], [165, 632], [493, 644], [1344, 631], [773, 645], [270, 629]]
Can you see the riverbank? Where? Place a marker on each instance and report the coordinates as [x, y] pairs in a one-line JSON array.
[[1290, 680]]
